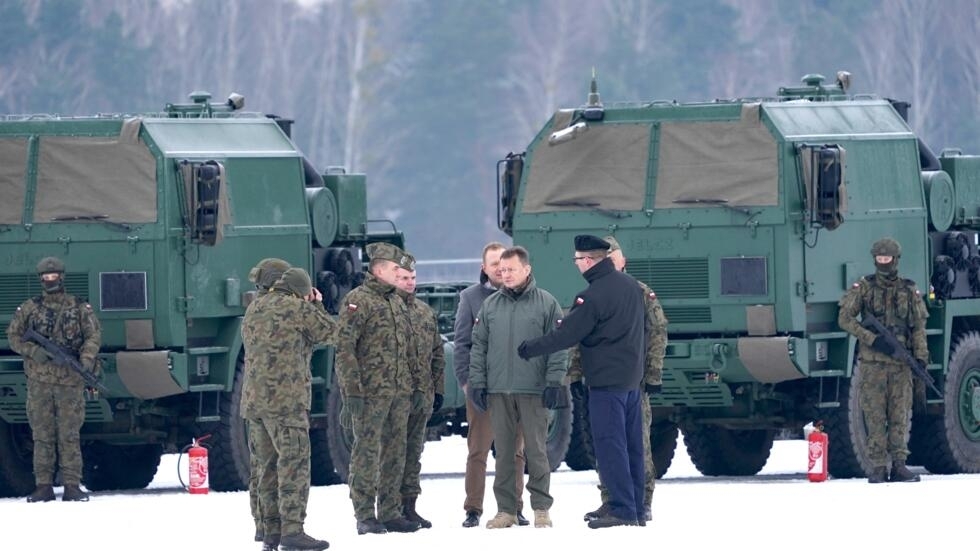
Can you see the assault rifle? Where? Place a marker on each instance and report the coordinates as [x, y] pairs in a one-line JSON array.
[[62, 357], [870, 322]]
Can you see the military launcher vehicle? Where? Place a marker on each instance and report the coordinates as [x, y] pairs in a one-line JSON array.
[[159, 218], [750, 218]]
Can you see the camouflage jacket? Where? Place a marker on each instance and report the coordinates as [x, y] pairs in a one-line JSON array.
[[279, 332], [66, 320], [375, 342], [897, 304], [656, 332], [430, 361]]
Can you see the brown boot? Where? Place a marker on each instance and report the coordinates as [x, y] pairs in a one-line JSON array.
[[878, 475], [43, 492], [900, 473], [409, 512], [74, 493]]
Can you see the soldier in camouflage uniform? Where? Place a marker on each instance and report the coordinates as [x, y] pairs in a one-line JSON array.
[[376, 376], [656, 331], [430, 363], [55, 394], [264, 275], [279, 332], [885, 381]]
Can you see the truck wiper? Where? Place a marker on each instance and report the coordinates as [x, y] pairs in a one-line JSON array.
[[595, 207], [93, 218], [720, 203]]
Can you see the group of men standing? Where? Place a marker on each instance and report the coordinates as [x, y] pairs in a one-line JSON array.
[[389, 366]]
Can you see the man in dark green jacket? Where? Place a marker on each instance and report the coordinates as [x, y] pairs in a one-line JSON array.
[[517, 392]]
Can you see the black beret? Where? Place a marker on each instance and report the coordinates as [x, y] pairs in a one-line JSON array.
[[590, 243]]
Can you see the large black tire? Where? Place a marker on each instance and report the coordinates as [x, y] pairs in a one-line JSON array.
[[847, 434], [322, 471], [717, 451], [559, 434], [16, 460], [950, 443], [228, 455], [339, 439], [122, 467], [580, 455], [663, 444]]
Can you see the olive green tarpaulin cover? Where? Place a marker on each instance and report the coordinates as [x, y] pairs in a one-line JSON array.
[[13, 166]]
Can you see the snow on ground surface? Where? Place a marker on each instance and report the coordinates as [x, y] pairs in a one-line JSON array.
[[777, 509]]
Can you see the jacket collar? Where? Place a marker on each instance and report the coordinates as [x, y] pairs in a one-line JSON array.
[[515, 294], [602, 268]]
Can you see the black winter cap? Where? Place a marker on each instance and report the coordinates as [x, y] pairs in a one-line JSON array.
[[590, 243]]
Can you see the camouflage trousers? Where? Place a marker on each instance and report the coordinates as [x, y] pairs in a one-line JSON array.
[[253, 489], [886, 401], [377, 460], [56, 413], [411, 486], [282, 455], [650, 469]]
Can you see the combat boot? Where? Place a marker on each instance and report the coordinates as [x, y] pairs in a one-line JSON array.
[[542, 519], [43, 492], [878, 475], [74, 493], [370, 526], [602, 511], [502, 520], [270, 542], [401, 525], [409, 512], [301, 542], [901, 474]]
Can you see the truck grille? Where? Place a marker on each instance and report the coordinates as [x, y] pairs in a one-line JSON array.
[[16, 288], [673, 277]]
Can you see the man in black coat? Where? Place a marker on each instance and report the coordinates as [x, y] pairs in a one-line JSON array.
[[607, 322]]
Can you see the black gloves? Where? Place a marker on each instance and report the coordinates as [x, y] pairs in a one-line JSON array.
[[436, 403], [554, 397], [479, 398], [883, 346], [652, 389], [522, 351]]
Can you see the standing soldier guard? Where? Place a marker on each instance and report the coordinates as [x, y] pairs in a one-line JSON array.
[[376, 381], [55, 393], [885, 381], [427, 398], [279, 332]]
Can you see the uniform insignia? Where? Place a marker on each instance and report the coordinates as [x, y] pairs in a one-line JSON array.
[[579, 300], [352, 308], [476, 321], [558, 323], [653, 295], [856, 284]]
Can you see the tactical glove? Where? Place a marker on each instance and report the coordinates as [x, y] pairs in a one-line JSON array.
[[479, 398], [653, 389], [418, 401], [554, 397], [354, 405], [436, 403], [40, 355], [522, 351], [883, 346]]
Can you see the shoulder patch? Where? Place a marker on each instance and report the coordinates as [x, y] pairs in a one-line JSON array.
[[856, 284], [651, 294], [558, 322], [351, 307], [579, 300], [476, 321]]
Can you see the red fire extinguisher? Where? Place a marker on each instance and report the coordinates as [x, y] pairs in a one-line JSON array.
[[197, 466], [817, 445]]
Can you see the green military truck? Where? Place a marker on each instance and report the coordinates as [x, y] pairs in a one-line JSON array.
[[159, 218], [750, 218]]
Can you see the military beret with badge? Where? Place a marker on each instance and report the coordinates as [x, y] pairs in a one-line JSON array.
[[585, 243]]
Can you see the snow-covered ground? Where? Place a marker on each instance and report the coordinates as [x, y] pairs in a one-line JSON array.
[[777, 509]]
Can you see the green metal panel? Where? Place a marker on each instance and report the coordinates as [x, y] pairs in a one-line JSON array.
[[350, 190], [245, 137], [965, 172]]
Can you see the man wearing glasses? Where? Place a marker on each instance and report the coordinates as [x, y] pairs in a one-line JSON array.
[[607, 322]]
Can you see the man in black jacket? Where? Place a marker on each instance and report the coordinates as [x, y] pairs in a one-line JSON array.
[[607, 321]]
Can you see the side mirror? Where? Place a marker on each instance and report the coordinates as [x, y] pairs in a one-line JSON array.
[[823, 175], [508, 183]]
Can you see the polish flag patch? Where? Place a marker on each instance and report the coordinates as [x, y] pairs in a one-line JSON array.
[[579, 301], [352, 308], [653, 295]]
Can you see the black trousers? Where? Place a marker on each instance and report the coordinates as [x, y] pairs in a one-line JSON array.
[[617, 436]]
